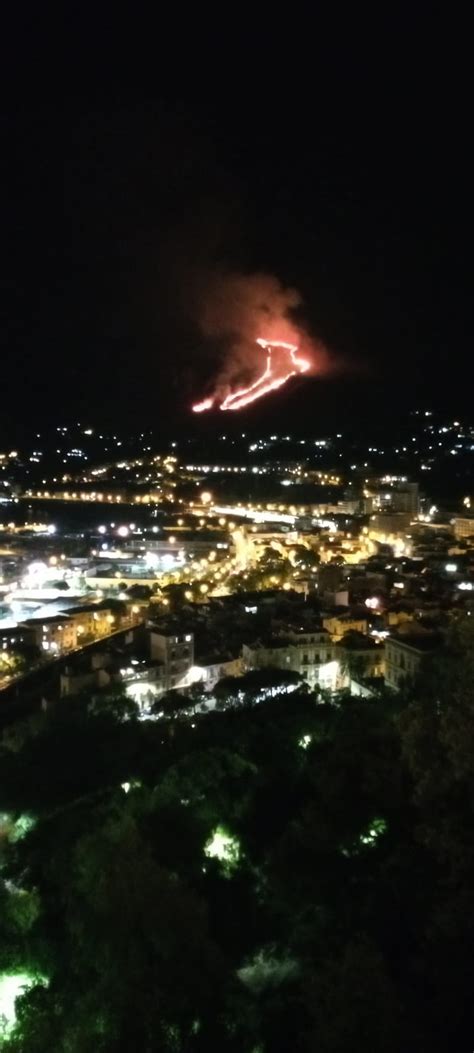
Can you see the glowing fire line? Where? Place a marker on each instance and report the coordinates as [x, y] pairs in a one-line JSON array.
[[264, 384], [206, 404]]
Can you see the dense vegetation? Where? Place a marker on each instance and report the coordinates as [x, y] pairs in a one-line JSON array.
[[271, 877]]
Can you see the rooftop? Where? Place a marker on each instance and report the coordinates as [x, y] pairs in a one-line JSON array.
[[358, 642], [51, 620], [418, 641]]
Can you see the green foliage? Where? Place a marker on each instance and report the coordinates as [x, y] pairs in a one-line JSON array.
[[172, 704], [213, 782], [255, 685], [246, 893], [80, 745], [22, 910], [352, 1003]]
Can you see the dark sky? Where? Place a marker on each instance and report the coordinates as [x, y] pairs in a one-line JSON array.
[[342, 166]]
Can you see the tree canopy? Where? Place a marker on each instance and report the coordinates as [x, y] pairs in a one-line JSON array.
[[292, 874]]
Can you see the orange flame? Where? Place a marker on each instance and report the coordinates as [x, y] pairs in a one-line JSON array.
[[200, 407], [267, 382]]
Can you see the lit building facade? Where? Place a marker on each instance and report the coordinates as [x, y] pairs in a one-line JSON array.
[[404, 656], [175, 652], [463, 526], [310, 654]]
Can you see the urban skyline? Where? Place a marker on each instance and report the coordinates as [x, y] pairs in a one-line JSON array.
[[236, 533]]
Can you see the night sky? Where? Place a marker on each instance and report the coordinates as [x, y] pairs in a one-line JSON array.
[[339, 166]]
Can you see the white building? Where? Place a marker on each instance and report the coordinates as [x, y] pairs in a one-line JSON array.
[[176, 653], [404, 655], [311, 654]]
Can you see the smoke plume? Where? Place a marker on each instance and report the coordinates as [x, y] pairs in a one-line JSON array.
[[236, 310]]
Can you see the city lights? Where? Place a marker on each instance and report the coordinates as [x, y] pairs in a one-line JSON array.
[[229, 542], [278, 247]]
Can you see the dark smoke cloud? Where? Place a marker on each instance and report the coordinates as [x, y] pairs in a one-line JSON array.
[[249, 306]]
